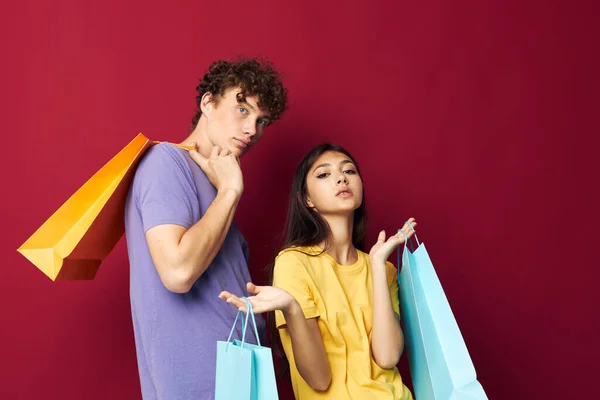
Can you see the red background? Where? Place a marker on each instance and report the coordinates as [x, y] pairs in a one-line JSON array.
[[478, 118]]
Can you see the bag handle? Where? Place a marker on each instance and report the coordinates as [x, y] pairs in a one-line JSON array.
[[406, 242], [401, 252], [249, 312], [414, 233], [244, 326], [181, 146]]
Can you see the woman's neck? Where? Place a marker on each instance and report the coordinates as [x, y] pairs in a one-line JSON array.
[[339, 244]]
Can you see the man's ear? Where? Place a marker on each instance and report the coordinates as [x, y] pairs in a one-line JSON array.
[[207, 103]]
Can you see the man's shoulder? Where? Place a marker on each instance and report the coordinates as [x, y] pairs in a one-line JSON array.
[[162, 155], [162, 162]]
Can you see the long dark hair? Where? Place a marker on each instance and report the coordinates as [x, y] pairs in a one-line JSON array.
[[305, 227]]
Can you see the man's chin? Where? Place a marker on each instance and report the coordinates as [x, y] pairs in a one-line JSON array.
[[238, 151], [233, 149]]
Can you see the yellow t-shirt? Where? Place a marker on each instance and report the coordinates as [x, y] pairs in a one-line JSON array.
[[341, 298]]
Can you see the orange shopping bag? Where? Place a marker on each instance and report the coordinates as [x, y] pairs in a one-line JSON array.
[[72, 243]]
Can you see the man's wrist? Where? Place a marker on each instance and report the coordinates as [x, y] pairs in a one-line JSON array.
[[235, 194]]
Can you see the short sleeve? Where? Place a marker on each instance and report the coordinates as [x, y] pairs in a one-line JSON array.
[[164, 189], [392, 278], [290, 275]]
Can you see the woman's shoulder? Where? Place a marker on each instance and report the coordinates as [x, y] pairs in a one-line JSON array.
[[298, 253]]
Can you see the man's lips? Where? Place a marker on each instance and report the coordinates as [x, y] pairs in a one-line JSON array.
[[242, 143]]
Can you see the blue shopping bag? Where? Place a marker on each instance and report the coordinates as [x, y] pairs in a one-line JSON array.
[[244, 371], [439, 361]]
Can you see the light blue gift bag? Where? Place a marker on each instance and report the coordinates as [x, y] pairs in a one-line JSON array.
[[439, 361], [244, 371]]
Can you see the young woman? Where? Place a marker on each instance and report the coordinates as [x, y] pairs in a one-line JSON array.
[[336, 307]]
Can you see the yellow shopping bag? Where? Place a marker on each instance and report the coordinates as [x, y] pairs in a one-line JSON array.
[[72, 243]]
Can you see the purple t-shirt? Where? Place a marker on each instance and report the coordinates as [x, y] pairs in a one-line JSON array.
[[176, 334]]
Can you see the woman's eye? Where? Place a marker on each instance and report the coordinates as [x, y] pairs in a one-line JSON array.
[[323, 175], [350, 171]]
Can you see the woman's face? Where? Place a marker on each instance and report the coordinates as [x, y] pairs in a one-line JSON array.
[[333, 184]]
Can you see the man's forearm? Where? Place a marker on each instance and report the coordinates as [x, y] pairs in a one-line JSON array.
[[200, 244]]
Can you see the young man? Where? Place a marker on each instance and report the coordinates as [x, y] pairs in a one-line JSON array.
[[184, 246]]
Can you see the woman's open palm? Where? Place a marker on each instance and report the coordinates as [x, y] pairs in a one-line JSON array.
[[266, 298]]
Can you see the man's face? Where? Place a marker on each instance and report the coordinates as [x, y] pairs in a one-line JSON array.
[[232, 124]]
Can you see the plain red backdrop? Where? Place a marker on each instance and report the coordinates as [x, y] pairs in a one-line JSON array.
[[479, 118]]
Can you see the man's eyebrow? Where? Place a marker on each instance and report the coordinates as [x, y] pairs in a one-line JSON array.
[[245, 102]]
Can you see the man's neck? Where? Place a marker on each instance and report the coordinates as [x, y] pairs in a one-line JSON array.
[[199, 136]]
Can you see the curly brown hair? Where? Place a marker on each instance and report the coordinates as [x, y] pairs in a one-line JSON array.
[[255, 77]]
